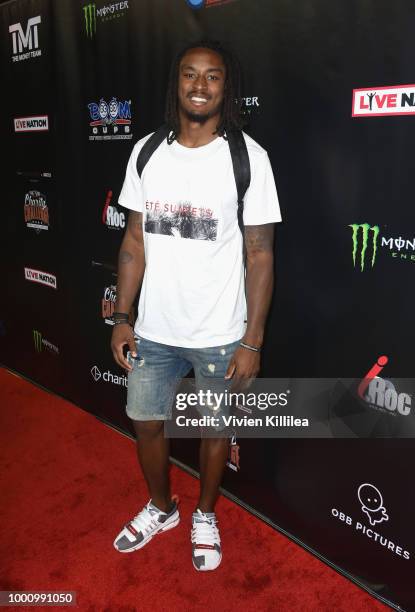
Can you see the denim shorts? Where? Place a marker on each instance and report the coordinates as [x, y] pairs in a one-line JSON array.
[[159, 368]]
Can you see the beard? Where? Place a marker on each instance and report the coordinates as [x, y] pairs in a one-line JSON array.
[[200, 117]]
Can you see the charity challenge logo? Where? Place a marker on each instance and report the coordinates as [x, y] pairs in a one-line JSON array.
[[112, 217], [367, 242], [36, 123], [381, 394], [233, 454], [108, 377], [109, 12], [25, 42], [36, 212], [198, 4], [182, 220], [110, 121], [372, 511], [42, 344], [108, 304], [384, 101], [43, 278]]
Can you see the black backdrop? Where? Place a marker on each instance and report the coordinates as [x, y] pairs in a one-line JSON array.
[[329, 317]]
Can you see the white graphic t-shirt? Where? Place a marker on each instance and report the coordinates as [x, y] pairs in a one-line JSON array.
[[193, 292]]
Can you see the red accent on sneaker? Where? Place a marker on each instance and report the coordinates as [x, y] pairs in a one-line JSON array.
[[208, 546], [131, 528]]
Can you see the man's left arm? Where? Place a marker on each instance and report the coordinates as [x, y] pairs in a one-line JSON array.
[[259, 241]]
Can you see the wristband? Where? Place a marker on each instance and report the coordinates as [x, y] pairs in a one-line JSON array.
[[120, 316], [121, 322], [250, 347]]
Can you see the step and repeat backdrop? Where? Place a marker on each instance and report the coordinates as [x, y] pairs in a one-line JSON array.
[[329, 93]]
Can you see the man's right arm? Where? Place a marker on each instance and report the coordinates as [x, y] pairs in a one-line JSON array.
[[131, 266]]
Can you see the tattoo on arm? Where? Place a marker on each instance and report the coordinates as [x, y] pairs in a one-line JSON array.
[[259, 237], [125, 257]]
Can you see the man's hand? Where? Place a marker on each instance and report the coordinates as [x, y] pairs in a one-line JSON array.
[[243, 368], [122, 335]]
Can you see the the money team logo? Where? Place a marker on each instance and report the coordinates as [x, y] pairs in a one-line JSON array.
[[25, 44], [110, 121], [367, 241]]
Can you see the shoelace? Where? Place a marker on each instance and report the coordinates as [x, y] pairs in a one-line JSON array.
[[144, 521], [205, 532]]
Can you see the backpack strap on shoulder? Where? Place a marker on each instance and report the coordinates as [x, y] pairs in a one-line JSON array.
[[241, 169], [150, 146]]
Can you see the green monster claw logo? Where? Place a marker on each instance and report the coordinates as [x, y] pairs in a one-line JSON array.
[[365, 227], [90, 14], [37, 339]]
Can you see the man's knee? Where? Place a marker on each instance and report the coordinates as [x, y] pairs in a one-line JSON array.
[[148, 429]]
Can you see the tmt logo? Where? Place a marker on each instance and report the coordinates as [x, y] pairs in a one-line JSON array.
[[369, 238], [25, 41]]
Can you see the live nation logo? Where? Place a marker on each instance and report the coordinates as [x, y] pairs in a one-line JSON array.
[[110, 121], [35, 123], [25, 42], [383, 101], [367, 241], [372, 508], [112, 217], [43, 278], [36, 212]]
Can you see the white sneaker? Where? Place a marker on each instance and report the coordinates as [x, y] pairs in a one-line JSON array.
[[206, 550], [150, 521]]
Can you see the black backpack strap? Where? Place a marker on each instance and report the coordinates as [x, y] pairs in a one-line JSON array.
[[241, 169], [150, 146]]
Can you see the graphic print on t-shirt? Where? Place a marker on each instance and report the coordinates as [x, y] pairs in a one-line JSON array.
[[181, 220]]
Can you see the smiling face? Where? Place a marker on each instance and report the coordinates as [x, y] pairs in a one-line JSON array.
[[201, 85]]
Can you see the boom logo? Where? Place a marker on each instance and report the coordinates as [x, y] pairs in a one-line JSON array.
[[28, 41], [365, 230], [110, 121]]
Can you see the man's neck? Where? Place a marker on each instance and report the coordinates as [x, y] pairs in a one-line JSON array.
[[193, 134]]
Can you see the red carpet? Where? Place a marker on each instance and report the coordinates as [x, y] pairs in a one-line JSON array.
[[69, 483]]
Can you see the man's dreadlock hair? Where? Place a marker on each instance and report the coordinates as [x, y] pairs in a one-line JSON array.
[[231, 117]]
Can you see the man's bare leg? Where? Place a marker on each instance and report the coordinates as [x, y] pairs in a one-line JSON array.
[[153, 455], [213, 454]]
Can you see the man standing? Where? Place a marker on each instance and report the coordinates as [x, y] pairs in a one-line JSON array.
[[183, 246]]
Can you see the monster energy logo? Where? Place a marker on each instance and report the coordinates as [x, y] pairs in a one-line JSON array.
[[365, 227], [37, 339], [90, 13]]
